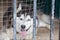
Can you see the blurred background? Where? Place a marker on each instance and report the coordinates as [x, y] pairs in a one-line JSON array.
[[42, 5]]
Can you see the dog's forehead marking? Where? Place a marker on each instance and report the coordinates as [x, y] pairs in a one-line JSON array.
[[25, 14], [22, 16], [28, 17], [20, 6]]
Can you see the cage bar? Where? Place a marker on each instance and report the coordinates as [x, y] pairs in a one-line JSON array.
[[14, 17], [52, 21], [34, 19], [37, 5]]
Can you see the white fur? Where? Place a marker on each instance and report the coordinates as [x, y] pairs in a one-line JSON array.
[[41, 22], [44, 21], [27, 23], [4, 36], [19, 8], [24, 22]]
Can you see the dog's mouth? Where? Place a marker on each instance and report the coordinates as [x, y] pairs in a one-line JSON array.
[[25, 29], [24, 32]]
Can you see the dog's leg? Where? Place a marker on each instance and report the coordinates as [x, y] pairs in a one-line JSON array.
[[48, 26]]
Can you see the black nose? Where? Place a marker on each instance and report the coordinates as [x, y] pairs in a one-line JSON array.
[[22, 26]]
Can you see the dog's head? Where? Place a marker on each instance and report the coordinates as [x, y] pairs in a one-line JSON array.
[[25, 20], [24, 23]]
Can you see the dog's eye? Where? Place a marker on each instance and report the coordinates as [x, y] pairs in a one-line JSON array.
[[21, 19], [28, 20]]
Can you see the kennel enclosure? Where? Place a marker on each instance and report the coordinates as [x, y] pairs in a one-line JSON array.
[[5, 16]]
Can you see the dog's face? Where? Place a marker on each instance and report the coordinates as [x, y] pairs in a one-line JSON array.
[[24, 23]]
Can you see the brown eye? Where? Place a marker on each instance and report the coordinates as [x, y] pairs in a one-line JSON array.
[[28, 20], [21, 19]]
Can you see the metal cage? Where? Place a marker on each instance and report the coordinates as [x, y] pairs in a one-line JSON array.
[[10, 11]]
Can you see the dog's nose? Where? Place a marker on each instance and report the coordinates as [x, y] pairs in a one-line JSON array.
[[22, 26]]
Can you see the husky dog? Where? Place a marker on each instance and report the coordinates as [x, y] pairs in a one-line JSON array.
[[24, 23]]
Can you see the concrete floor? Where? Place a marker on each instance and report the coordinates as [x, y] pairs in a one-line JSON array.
[[44, 34]]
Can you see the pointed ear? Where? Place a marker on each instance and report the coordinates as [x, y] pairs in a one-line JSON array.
[[19, 8]]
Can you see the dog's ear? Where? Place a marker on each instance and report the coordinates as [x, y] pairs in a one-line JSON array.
[[19, 8]]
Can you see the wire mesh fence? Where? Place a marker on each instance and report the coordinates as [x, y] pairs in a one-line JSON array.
[[14, 11]]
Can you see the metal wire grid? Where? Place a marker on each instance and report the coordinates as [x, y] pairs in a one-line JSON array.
[[27, 7], [2, 3], [6, 13], [1, 17], [41, 5]]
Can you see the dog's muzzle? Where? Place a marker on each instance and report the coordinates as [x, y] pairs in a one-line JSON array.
[[23, 26], [23, 31]]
